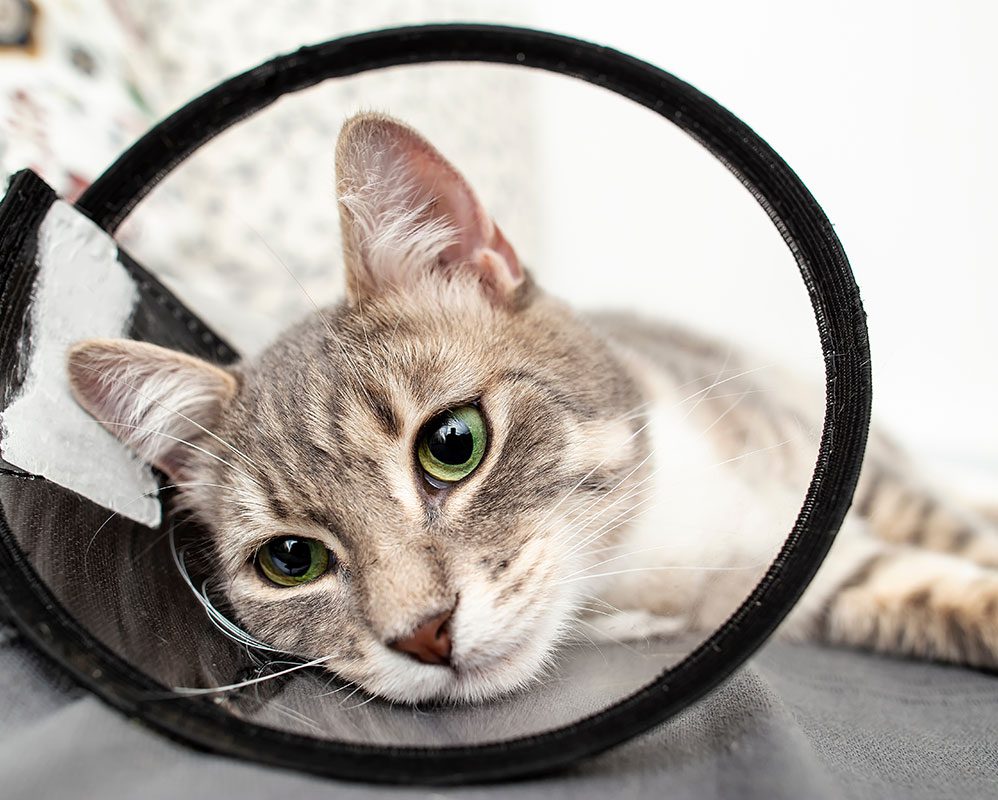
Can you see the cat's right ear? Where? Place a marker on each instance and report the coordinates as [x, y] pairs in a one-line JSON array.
[[157, 401], [405, 210]]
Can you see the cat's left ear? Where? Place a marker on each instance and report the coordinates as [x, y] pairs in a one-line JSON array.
[[405, 209]]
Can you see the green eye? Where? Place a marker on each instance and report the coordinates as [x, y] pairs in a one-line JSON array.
[[452, 444], [290, 560]]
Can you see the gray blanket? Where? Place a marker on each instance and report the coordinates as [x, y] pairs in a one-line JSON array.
[[798, 722]]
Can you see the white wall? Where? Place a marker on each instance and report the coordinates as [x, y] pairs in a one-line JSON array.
[[889, 113], [887, 110]]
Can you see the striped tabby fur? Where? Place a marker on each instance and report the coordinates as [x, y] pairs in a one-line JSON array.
[[914, 572], [638, 479]]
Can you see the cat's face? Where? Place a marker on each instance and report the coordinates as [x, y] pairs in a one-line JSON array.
[[406, 484]]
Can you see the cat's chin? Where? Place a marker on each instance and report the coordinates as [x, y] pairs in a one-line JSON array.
[[471, 679]]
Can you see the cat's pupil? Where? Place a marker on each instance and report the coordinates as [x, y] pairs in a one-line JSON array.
[[292, 557], [451, 441]]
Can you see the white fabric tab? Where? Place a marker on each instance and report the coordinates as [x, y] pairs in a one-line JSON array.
[[81, 292]]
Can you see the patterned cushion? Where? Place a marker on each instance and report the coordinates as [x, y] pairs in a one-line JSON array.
[[231, 226]]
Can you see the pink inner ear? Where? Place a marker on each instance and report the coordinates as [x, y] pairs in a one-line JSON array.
[[453, 201], [154, 400], [385, 171], [480, 243]]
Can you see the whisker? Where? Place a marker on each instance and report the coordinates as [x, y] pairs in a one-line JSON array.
[[755, 452], [701, 393], [601, 601], [706, 390], [714, 383], [193, 446], [345, 699], [646, 482], [287, 269], [642, 487], [629, 647], [651, 475], [713, 530], [671, 545], [744, 392], [590, 610], [217, 618], [296, 715], [724, 413], [713, 373], [589, 474], [642, 502], [191, 691], [336, 691], [675, 568], [106, 375], [619, 483], [625, 518], [362, 703], [631, 413], [134, 500], [598, 649]]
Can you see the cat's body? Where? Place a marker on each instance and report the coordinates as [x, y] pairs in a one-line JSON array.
[[912, 571], [431, 485]]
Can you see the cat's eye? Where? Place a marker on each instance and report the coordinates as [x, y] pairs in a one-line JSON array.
[[293, 560], [452, 444]]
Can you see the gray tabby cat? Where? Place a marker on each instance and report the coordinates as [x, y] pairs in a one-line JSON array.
[[433, 483]]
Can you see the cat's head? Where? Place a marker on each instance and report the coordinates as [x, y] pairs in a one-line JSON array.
[[407, 483]]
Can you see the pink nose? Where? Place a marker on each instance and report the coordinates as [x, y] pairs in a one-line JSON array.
[[429, 643]]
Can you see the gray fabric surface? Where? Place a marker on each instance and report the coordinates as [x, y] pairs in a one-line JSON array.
[[800, 721]]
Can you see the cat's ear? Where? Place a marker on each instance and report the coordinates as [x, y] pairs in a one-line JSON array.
[[405, 209], [152, 399]]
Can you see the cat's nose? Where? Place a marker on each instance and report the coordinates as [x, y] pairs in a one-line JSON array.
[[430, 642]]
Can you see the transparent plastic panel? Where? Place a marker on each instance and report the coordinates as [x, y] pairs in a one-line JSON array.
[[670, 266]]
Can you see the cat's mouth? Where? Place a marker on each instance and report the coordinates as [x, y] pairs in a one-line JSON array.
[[477, 675], [488, 663]]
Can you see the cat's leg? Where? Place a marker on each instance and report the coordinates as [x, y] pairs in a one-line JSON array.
[[903, 600], [901, 508]]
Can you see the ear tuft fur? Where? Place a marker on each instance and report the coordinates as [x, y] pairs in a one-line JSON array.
[[157, 401], [405, 211]]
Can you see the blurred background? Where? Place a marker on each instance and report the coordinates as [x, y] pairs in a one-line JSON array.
[[887, 111]]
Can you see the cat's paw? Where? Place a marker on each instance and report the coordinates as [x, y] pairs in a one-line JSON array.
[[969, 624], [919, 603], [632, 625]]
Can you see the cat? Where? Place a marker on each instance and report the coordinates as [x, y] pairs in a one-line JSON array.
[[432, 484]]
